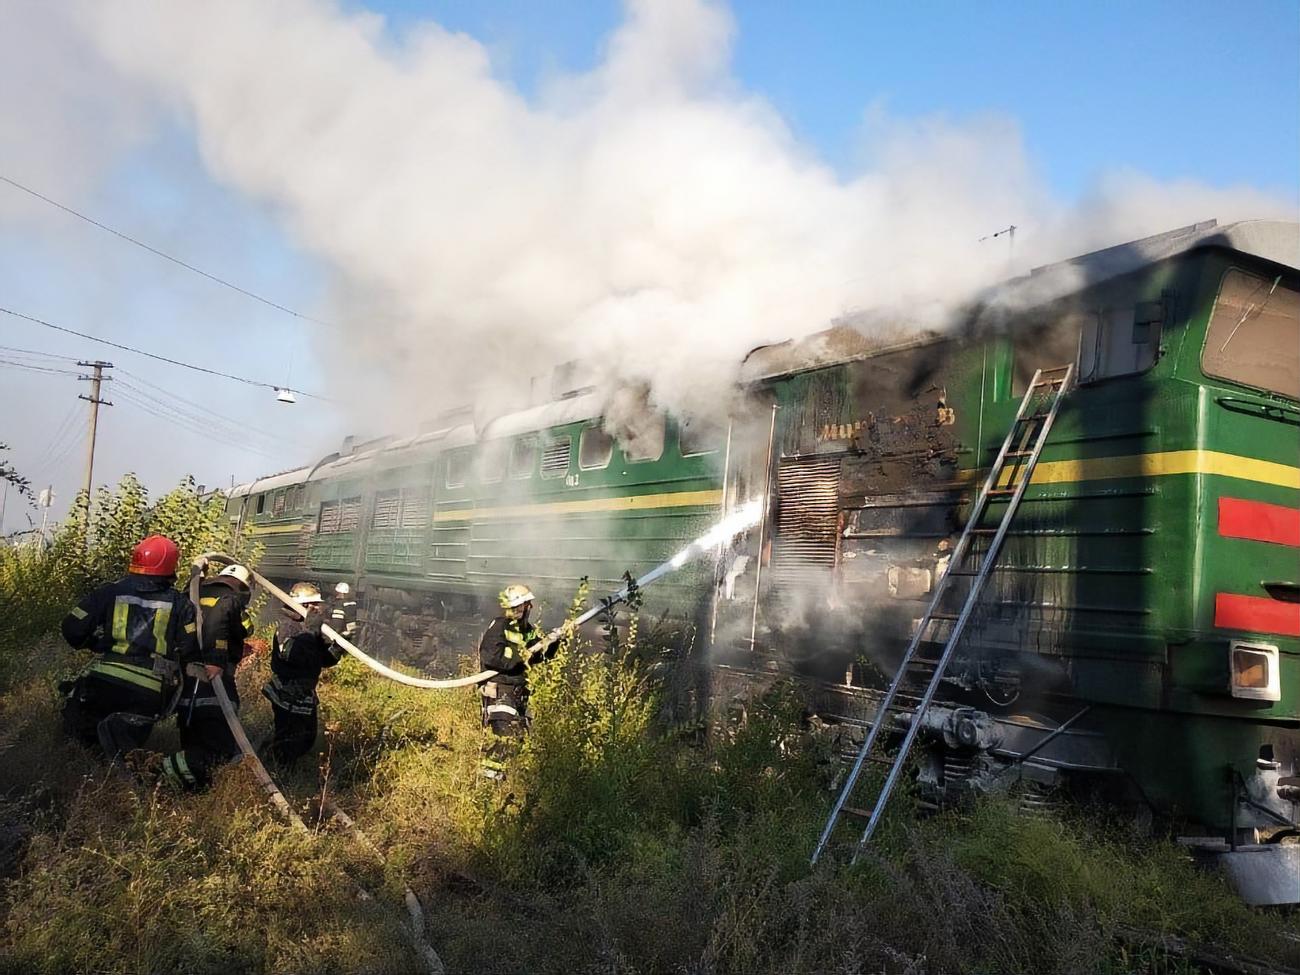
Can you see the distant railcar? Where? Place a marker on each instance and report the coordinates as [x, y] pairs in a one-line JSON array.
[[1141, 629]]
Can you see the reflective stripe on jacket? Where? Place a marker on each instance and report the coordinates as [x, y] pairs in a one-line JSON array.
[[139, 625], [294, 696], [502, 648], [225, 623]]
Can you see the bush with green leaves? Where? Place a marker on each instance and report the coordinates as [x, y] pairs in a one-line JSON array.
[[40, 583], [618, 845]]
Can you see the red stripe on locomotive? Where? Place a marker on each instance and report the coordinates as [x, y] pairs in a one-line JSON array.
[[1259, 522], [1256, 613]]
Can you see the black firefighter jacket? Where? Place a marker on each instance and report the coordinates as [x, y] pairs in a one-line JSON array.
[[225, 623], [298, 655], [128, 623], [503, 649]]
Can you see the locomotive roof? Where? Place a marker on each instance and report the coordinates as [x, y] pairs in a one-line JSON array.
[[586, 406], [271, 481], [1277, 241]]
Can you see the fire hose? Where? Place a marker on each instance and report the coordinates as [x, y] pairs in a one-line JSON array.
[[724, 531], [414, 908], [738, 521]]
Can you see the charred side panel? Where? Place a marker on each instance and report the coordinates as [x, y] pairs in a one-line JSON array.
[[867, 482]]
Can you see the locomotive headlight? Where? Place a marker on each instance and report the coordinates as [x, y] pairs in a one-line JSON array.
[[1255, 673]]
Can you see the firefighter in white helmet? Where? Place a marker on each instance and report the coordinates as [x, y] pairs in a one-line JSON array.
[[343, 612], [206, 741], [510, 645], [299, 652]]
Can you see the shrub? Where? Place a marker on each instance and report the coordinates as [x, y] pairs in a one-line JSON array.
[[38, 585], [618, 844]]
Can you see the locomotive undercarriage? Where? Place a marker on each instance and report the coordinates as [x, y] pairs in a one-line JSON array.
[[967, 751]]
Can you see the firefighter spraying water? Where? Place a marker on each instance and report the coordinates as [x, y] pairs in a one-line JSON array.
[[742, 519]]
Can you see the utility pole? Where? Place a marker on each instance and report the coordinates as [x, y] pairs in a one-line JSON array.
[[45, 500], [95, 379]]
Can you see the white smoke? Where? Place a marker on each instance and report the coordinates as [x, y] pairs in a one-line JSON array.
[[649, 215]]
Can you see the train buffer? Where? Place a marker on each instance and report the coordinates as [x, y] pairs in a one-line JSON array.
[[952, 604]]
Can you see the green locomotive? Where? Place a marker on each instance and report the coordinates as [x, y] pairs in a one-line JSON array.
[[1141, 630]]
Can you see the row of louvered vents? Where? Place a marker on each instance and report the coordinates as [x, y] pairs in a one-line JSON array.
[[804, 542]]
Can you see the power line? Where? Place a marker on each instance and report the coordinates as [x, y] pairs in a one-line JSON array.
[[61, 446], [163, 254], [55, 442], [151, 355], [190, 425], [47, 470], [42, 355], [32, 367], [199, 414]]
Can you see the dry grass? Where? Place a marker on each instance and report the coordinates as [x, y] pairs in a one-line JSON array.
[[621, 850]]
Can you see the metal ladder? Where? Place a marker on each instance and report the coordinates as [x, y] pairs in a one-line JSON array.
[[1017, 459]]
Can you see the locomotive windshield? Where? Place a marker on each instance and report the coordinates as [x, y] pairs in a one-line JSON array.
[[1254, 335]]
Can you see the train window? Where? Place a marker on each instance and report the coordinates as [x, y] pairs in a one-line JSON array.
[[277, 505], [1043, 343], [388, 505], [523, 455], [492, 462], [644, 441], [327, 522], [457, 467], [699, 436], [555, 457], [595, 447], [1254, 334], [349, 514], [1117, 341], [261, 503]]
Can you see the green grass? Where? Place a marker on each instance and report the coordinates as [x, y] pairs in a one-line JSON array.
[[617, 845], [621, 849]]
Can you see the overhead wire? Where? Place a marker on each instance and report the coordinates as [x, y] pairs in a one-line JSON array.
[[243, 427], [33, 367], [56, 441], [152, 355], [201, 419], [165, 256], [38, 354], [188, 422], [76, 434]]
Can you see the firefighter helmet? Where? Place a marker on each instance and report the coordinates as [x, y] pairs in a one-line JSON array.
[[237, 572], [305, 592], [514, 596], [156, 555], [342, 589]]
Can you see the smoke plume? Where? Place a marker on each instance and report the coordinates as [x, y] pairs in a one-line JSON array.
[[649, 215]]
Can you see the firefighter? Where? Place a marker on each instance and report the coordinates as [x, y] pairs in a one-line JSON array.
[[299, 652], [504, 648], [142, 630], [343, 614], [206, 739]]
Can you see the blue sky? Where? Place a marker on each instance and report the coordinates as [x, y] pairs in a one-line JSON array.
[[1177, 91]]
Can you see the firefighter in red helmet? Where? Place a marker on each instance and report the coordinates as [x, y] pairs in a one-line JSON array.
[[140, 629]]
